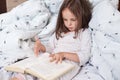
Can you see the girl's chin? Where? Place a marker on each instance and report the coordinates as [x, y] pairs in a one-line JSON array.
[[71, 30]]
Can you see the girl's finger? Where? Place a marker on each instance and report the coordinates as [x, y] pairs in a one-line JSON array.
[[51, 55], [57, 60], [53, 58], [36, 51], [60, 60]]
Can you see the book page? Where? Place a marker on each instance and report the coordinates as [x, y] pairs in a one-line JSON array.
[[41, 67], [49, 70], [22, 65]]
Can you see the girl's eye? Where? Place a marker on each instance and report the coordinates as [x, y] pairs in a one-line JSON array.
[[65, 19], [70, 20], [73, 19]]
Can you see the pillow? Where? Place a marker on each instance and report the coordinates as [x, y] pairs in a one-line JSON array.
[[106, 18], [105, 27], [6, 18], [30, 8], [114, 2], [31, 18], [53, 5]]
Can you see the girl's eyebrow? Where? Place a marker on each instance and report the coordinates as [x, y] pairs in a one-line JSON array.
[[73, 19], [63, 17]]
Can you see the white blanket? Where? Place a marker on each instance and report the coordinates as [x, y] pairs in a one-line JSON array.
[[33, 17], [105, 26], [19, 26]]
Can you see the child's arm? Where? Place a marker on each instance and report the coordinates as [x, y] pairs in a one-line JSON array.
[[82, 56], [38, 47], [71, 56]]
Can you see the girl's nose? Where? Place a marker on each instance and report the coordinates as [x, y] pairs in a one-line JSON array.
[[69, 23]]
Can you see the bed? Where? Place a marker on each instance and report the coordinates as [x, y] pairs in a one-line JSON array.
[[19, 26]]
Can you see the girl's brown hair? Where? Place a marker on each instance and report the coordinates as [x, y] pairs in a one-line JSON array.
[[82, 11]]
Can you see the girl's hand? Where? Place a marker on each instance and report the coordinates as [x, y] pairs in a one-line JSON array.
[[58, 57], [14, 78], [38, 47]]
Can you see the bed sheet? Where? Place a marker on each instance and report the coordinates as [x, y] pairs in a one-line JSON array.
[[19, 29]]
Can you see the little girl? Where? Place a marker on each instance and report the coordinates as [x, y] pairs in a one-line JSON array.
[[71, 41]]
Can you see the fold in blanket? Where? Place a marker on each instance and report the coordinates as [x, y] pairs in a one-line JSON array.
[[19, 26], [25, 21]]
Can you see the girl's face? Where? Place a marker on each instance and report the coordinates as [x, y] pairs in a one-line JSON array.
[[69, 19]]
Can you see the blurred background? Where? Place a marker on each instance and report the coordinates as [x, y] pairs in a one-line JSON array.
[[7, 5]]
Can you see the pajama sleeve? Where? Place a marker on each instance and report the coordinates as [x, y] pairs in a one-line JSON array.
[[85, 49]]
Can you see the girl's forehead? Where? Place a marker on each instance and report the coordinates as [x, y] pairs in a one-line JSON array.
[[66, 12]]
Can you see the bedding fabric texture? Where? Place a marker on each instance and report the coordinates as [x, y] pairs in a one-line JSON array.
[[105, 26], [38, 17], [19, 27]]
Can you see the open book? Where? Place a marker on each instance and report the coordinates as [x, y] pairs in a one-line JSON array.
[[41, 67]]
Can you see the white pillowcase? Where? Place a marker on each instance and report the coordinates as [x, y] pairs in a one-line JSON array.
[[106, 18], [105, 26], [53, 5], [114, 2]]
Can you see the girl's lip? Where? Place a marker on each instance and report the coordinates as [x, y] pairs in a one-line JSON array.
[[70, 28]]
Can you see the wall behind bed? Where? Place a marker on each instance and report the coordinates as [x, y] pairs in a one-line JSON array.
[[13, 3], [9, 4], [119, 6]]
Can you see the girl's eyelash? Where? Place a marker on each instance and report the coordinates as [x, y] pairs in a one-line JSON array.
[[65, 19], [73, 19]]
